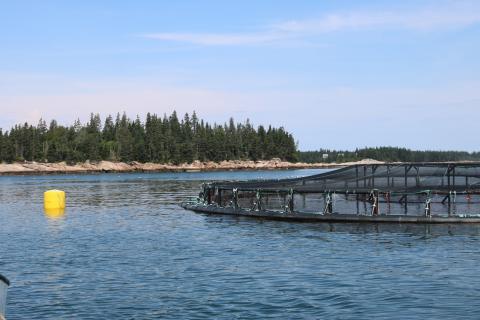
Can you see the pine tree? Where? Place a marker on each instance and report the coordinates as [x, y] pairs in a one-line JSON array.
[[124, 139], [163, 140]]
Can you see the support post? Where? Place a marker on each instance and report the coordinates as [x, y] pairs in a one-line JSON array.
[[449, 185], [356, 176], [235, 198], [417, 177], [428, 205], [328, 203], [453, 175], [290, 204], [375, 209], [257, 205], [388, 176], [364, 176], [374, 169], [406, 188], [406, 177], [358, 207]]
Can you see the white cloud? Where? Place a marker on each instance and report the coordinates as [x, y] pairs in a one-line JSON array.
[[449, 15], [422, 20], [219, 39]]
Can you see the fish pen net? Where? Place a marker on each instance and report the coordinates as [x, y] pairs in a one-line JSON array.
[[417, 189]]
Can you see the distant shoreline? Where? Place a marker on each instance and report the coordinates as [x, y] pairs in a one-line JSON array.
[[37, 168]]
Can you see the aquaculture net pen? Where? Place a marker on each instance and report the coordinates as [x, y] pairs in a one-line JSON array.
[[413, 189]]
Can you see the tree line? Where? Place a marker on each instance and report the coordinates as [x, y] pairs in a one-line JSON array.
[[168, 139], [160, 139], [388, 154]]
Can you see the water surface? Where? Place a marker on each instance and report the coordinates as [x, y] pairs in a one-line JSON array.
[[125, 249]]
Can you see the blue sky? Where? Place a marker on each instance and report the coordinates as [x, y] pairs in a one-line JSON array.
[[337, 74]]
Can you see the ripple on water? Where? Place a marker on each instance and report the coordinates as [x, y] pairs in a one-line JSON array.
[[124, 249]]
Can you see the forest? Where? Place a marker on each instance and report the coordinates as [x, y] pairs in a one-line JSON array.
[[388, 154], [160, 139], [170, 139]]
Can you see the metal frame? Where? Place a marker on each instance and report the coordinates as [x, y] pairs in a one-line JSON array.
[[369, 184]]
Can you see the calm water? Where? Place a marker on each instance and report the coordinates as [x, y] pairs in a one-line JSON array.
[[125, 250]]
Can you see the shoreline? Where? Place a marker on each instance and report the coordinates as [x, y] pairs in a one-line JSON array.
[[37, 168]]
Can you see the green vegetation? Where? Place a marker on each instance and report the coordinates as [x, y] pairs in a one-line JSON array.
[[173, 140], [386, 154], [157, 139]]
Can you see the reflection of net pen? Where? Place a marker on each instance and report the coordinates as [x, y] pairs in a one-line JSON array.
[[407, 192]]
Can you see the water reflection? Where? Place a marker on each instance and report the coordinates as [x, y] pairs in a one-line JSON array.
[[124, 249], [352, 228], [54, 213]]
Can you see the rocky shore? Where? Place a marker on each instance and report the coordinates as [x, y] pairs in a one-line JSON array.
[[33, 168]]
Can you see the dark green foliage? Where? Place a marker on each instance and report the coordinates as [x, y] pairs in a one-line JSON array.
[[390, 154], [167, 139]]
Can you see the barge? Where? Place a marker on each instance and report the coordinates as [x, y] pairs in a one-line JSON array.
[[418, 193]]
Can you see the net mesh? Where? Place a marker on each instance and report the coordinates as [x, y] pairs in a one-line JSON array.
[[395, 189]]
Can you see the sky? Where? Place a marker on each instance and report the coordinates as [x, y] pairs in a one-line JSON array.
[[336, 74]]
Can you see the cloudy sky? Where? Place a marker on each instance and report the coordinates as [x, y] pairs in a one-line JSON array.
[[337, 74]]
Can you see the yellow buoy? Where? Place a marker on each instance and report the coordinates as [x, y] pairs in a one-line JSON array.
[[55, 213], [54, 200]]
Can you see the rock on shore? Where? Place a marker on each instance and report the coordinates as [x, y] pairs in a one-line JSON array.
[[20, 168]]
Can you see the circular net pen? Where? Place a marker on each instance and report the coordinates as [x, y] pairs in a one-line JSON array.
[[392, 192]]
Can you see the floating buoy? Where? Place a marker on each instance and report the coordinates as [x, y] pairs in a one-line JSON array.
[[54, 200], [54, 214]]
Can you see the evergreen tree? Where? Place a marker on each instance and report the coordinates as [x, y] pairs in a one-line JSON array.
[[124, 139], [158, 139]]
